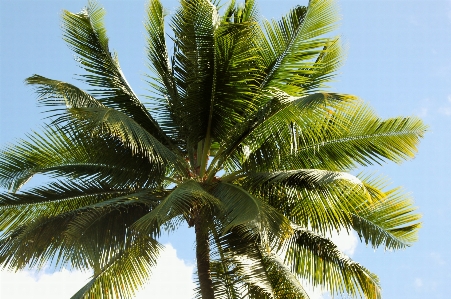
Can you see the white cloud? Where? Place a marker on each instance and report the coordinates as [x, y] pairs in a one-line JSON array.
[[445, 110], [172, 278], [23, 284], [346, 242]]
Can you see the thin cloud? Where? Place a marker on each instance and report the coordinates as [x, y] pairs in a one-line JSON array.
[[418, 282], [446, 109]]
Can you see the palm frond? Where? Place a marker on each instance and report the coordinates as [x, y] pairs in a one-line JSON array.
[[82, 237], [188, 200], [164, 83], [317, 259], [366, 140], [194, 26], [239, 66], [75, 154], [55, 93], [321, 199], [389, 220], [52, 200], [101, 121], [86, 36], [268, 134], [243, 208], [125, 273], [294, 44], [251, 270]]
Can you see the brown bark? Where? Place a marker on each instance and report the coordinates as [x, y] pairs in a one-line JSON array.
[[203, 259]]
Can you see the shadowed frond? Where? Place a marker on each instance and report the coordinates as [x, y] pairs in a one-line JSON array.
[[65, 234], [186, 200], [109, 121], [52, 200], [243, 208], [125, 273], [194, 25], [56, 93], [72, 154]]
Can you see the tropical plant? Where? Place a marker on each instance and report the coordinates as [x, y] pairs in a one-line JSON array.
[[241, 141]]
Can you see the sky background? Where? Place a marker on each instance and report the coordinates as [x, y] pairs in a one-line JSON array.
[[399, 60]]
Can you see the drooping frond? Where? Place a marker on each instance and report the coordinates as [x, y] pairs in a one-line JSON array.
[[317, 259], [245, 268], [52, 200], [321, 199], [389, 220], [125, 273], [56, 93], [65, 228]]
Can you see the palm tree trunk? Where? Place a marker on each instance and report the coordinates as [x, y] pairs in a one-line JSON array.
[[203, 259]]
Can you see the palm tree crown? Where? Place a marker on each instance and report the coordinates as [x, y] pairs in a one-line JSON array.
[[242, 142]]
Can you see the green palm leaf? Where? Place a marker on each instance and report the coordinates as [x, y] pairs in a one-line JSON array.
[[125, 273], [293, 45], [321, 199], [366, 139], [318, 260], [54, 93], [72, 154], [389, 220], [269, 131], [243, 208], [240, 140], [52, 200], [68, 231], [188, 200], [86, 36], [194, 26], [108, 121]]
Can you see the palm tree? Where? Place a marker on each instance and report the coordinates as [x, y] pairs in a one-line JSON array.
[[241, 142]]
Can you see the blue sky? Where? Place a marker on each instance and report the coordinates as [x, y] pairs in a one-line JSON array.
[[399, 60]]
